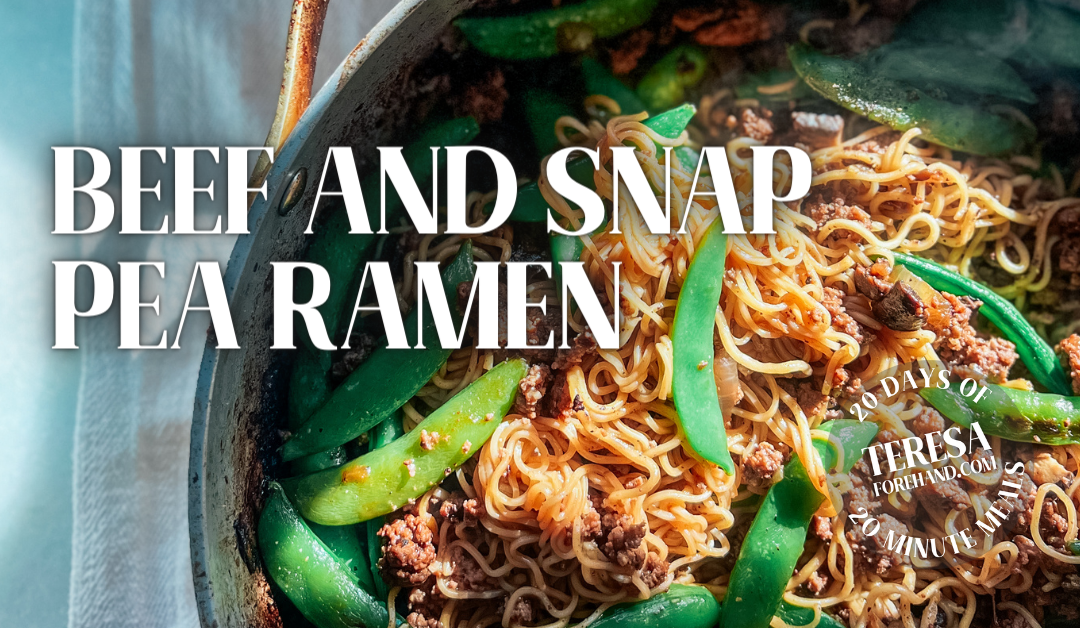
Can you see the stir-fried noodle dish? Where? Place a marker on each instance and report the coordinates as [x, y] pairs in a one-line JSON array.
[[890, 436]]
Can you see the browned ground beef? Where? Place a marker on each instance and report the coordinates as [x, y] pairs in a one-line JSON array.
[[753, 122], [730, 24], [631, 49], [1070, 349], [654, 571], [483, 99], [425, 606], [825, 204], [942, 497], [582, 348], [408, 552], [620, 540], [817, 130], [821, 527], [833, 302], [928, 421], [760, 466], [807, 393], [870, 553], [531, 390], [964, 350]]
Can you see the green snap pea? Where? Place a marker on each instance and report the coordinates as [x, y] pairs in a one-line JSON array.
[[775, 540], [564, 248], [542, 110], [665, 84], [309, 386], [692, 382], [598, 81], [961, 126], [1016, 415], [802, 616], [341, 253], [324, 590], [344, 542], [380, 436], [317, 462], [1036, 354], [380, 482], [682, 605], [536, 35], [356, 405], [967, 71]]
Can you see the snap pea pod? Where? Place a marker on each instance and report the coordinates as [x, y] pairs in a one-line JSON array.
[[341, 253], [1036, 354], [1016, 415], [384, 480], [665, 84], [598, 81], [536, 35], [531, 206], [326, 592], [309, 386], [688, 157], [564, 248], [967, 72], [964, 127], [692, 382], [317, 462], [542, 110], [344, 542], [775, 539], [381, 435], [356, 405], [801, 616], [682, 605]]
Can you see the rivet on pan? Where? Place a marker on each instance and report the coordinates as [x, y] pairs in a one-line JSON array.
[[294, 193]]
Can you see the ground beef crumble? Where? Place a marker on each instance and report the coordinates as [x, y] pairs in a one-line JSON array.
[[817, 130], [743, 23], [870, 553], [825, 204], [582, 347], [964, 350], [425, 606], [753, 122], [833, 302], [484, 99], [620, 540], [631, 49], [759, 467], [531, 390], [408, 552], [927, 421], [943, 496], [821, 527], [1069, 348]]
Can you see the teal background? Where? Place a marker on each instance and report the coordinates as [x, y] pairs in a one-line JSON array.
[[38, 387]]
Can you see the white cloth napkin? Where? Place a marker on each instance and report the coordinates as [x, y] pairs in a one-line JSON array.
[[172, 73]]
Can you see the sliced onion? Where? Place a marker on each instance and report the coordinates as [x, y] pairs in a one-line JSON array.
[[726, 375]]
